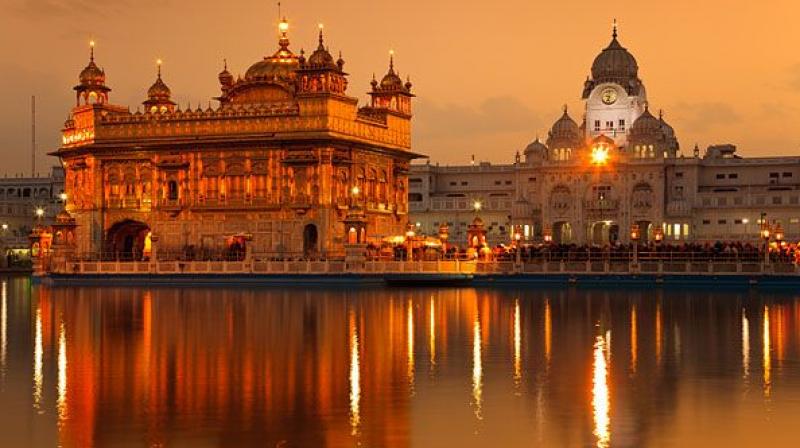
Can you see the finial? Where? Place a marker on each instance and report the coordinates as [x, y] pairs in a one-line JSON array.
[[158, 63], [566, 109], [647, 106], [91, 50], [225, 64], [391, 60], [661, 114], [614, 32], [321, 27]]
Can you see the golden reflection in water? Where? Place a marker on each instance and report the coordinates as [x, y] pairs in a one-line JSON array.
[[658, 332], [38, 353], [355, 378], [410, 344], [432, 338], [600, 393], [517, 346], [477, 369], [634, 339], [745, 345], [767, 358], [61, 402], [548, 331], [3, 329]]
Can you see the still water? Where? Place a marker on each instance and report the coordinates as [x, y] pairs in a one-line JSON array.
[[94, 366]]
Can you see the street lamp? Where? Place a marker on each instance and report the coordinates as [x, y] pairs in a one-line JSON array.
[[658, 235], [548, 235], [635, 235], [765, 234], [410, 234], [477, 206], [63, 197], [39, 213]]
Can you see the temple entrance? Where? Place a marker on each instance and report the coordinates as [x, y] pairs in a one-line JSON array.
[[128, 240], [645, 230], [562, 233], [310, 240], [603, 233]]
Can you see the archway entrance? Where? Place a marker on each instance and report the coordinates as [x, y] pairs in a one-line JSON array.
[[128, 240], [603, 232], [562, 233], [310, 240]]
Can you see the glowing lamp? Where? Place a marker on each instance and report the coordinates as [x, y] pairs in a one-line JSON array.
[[283, 27], [5, 226], [635, 235], [63, 197], [600, 155], [779, 233], [477, 206], [355, 190], [39, 212]]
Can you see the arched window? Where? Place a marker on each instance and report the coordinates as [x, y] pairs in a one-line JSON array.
[[172, 187]]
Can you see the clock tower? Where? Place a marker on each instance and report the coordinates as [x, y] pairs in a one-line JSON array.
[[615, 96]]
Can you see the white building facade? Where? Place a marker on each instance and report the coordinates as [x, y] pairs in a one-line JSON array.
[[589, 183]]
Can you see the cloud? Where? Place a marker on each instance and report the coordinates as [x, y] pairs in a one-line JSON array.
[[701, 116], [58, 9], [493, 115]]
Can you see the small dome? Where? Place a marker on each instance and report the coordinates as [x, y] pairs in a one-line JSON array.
[[159, 90], [64, 217], [321, 58], [225, 77], [614, 63], [646, 124], [565, 126], [537, 147], [92, 75], [391, 80]]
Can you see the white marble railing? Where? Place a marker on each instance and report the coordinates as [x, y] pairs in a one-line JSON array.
[[422, 267]]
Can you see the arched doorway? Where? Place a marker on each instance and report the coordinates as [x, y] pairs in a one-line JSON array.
[[602, 233], [562, 233], [310, 240], [128, 240]]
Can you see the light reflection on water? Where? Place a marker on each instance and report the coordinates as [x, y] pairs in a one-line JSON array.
[[267, 367]]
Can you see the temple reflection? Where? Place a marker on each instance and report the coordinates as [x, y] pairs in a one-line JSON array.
[[338, 368], [3, 330]]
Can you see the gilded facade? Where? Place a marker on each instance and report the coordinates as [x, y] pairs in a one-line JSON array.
[[277, 165]]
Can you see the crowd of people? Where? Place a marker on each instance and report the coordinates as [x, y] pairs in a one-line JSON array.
[[720, 251]]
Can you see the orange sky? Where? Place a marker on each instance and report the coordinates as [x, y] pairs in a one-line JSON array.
[[490, 76]]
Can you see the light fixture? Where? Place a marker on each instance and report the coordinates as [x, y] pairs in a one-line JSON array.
[[600, 155], [39, 212], [477, 206], [355, 190], [63, 197]]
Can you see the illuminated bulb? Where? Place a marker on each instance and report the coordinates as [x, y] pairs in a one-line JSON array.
[[321, 26], [283, 26], [91, 43], [159, 62]]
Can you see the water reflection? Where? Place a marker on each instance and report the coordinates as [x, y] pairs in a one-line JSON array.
[[767, 354], [38, 360], [600, 395], [477, 369], [355, 377], [3, 331], [296, 368]]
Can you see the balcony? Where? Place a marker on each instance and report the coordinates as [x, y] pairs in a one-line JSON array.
[[601, 205]]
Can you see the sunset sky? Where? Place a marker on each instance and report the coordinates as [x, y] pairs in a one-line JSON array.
[[490, 76]]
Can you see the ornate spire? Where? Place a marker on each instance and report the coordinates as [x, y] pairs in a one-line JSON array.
[[391, 61], [158, 63], [614, 32], [321, 27], [91, 51]]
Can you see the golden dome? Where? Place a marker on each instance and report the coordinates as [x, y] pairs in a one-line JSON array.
[[92, 75], [159, 90], [321, 58], [281, 65]]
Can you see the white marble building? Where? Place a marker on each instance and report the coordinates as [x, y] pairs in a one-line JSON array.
[[590, 182]]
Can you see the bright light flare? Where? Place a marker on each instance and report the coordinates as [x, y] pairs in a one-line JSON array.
[[600, 155]]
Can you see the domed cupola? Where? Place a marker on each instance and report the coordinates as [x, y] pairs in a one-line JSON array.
[[646, 126], [614, 64], [652, 137], [278, 67], [391, 93], [320, 73], [159, 96], [535, 152], [321, 58], [225, 77], [91, 88], [564, 137], [391, 81]]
